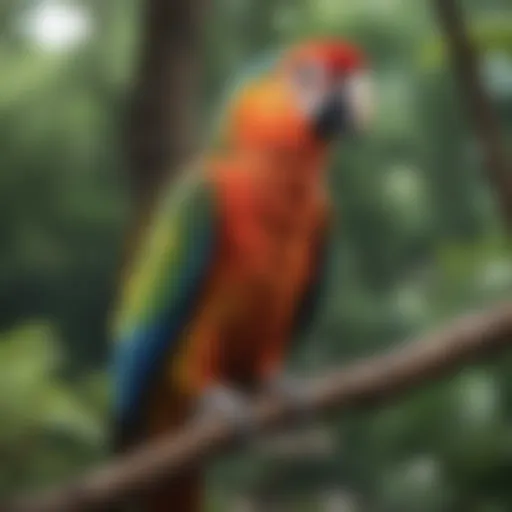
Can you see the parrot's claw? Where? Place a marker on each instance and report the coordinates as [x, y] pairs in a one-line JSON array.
[[294, 392], [228, 404]]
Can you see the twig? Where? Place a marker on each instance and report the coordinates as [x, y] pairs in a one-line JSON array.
[[363, 384]]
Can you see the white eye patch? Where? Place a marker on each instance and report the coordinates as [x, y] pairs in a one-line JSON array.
[[358, 92], [310, 84]]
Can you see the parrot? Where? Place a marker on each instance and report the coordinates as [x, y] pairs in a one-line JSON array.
[[231, 268]]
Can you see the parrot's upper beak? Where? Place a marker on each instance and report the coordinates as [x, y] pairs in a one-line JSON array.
[[350, 110]]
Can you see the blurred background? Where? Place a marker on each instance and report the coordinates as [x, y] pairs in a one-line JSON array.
[[420, 240]]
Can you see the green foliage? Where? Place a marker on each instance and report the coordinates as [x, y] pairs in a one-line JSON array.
[[419, 239], [48, 424]]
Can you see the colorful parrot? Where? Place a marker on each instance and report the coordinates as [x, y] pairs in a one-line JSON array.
[[231, 267]]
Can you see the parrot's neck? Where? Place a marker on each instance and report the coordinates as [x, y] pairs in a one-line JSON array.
[[303, 166], [290, 179]]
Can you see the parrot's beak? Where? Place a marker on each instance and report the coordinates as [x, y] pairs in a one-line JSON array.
[[350, 110], [332, 118]]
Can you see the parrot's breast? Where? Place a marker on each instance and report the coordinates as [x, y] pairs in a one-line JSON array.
[[266, 254], [269, 252]]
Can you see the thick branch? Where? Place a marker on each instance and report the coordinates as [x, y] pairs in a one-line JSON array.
[[364, 384], [485, 121]]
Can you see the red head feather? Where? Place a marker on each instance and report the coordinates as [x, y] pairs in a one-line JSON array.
[[338, 57], [265, 113]]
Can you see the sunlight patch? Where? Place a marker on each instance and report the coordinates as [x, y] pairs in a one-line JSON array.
[[57, 26]]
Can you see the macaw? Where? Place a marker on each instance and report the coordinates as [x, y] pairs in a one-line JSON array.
[[232, 265]]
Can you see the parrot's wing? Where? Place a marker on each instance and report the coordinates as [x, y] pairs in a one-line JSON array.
[[309, 306], [161, 293]]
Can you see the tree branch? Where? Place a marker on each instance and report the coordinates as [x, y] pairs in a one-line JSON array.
[[486, 125], [363, 384]]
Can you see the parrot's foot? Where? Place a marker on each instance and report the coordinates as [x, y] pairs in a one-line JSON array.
[[228, 404], [294, 392]]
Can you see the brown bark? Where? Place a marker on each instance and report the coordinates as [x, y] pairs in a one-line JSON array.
[[485, 122], [368, 383], [160, 126], [160, 130]]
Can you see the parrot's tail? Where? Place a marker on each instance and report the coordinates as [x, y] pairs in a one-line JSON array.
[[182, 494]]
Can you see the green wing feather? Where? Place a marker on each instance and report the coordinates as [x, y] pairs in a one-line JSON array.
[[161, 293]]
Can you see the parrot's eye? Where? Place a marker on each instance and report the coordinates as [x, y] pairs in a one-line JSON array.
[[309, 76], [309, 81]]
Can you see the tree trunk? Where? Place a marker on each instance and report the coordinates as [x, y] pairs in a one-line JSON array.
[[160, 128]]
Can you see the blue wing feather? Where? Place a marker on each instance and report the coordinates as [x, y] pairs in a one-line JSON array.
[[171, 277]]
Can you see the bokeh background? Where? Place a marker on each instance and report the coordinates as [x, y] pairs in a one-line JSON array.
[[420, 240]]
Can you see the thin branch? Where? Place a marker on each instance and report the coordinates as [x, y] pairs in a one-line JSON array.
[[485, 122], [368, 383]]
